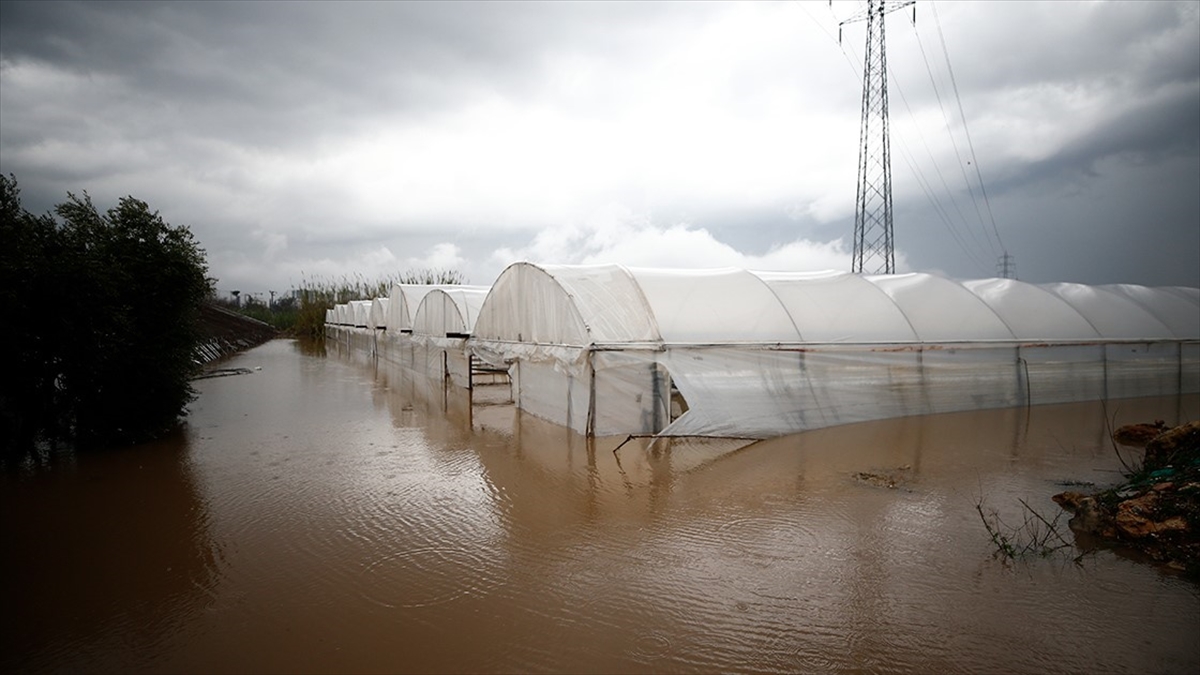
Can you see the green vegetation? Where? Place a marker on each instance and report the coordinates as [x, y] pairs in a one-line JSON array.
[[280, 313], [102, 322], [1152, 514]]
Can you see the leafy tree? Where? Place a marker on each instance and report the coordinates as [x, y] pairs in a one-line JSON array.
[[27, 284], [113, 304]]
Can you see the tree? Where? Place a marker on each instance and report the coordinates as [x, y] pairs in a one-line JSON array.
[[27, 389], [115, 311]]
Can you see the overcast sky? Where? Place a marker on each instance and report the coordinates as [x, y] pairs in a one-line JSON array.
[[321, 140]]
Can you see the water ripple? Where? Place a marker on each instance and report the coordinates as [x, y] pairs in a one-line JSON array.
[[424, 577]]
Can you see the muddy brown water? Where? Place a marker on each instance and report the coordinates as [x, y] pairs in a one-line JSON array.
[[318, 515]]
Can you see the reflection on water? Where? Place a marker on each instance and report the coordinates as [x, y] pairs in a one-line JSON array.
[[325, 514], [105, 556]]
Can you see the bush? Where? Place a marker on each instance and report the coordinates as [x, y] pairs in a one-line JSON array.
[[108, 308]]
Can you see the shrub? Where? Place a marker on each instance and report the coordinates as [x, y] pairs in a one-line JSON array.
[[109, 306]]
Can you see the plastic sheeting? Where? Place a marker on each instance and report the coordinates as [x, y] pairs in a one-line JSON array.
[[1120, 315], [737, 391], [360, 311], [715, 306], [1032, 313], [839, 307], [449, 312], [599, 305], [606, 349], [377, 317], [405, 299]]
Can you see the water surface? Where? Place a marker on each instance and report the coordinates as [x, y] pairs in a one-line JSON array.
[[322, 514]]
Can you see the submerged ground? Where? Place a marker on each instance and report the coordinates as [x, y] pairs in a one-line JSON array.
[[320, 515]]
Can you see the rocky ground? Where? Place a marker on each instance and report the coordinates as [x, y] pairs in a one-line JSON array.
[[1156, 512]]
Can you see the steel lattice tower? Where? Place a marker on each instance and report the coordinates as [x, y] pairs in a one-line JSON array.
[[874, 249]]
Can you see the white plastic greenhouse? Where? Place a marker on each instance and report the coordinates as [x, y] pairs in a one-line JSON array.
[[606, 349], [613, 350], [360, 311], [377, 316], [406, 299], [449, 312], [436, 347]]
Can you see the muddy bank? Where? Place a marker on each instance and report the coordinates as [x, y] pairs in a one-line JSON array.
[[1156, 511], [227, 332]]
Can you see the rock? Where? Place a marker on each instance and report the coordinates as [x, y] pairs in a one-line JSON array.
[[1070, 501], [1178, 445], [1138, 435], [1089, 516], [1156, 512], [1136, 518]]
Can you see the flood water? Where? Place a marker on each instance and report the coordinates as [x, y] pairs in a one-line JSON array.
[[316, 516]]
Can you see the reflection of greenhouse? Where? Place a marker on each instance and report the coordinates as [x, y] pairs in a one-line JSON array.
[[611, 350]]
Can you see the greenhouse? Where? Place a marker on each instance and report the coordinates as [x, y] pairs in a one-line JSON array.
[[377, 316], [449, 313], [607, 349], [405, 300], [360, 311], [440, 328], [343, 316]]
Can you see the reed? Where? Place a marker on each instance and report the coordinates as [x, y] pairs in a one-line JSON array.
[[318, 294]]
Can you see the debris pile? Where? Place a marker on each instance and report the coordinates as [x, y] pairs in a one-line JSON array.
[[1156, 511]]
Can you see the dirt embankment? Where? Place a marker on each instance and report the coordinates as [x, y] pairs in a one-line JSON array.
[[227, 332], [1156, 511]]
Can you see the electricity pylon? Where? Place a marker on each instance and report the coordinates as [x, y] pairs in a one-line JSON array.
[[874, 248], [1006, 266]]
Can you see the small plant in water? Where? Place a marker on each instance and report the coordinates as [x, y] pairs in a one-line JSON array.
[[1035, 537]]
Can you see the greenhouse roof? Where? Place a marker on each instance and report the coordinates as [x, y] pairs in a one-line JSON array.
[[377, 317], [360, 312], [449, 312], [581, 305], [405, 299]]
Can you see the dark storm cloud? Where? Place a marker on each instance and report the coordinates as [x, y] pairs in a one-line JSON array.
[[290, 134], [1143, 134], [1023, 45], [259, 73], [278, 73]]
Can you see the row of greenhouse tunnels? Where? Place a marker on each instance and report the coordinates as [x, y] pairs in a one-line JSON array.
[[614, 350]]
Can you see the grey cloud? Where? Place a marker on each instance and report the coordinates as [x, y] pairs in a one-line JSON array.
[[170, 99]]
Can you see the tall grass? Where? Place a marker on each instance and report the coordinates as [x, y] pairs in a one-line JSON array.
[[317, 294]]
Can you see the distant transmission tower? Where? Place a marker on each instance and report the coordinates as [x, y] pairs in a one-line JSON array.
[[1006, 266], [874, 249]]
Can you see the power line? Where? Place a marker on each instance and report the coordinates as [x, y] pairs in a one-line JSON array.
[[927, 188], [954, 144], [880, 239], [966, 129]]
